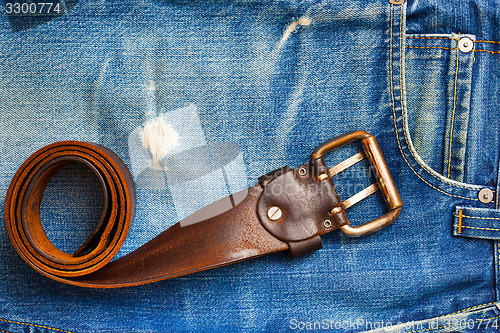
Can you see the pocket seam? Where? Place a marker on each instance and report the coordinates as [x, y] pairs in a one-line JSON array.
[[33, 325], [465, 310], [453, 114], [434, 37], [461, 312], [431, 47], [453, 162], [405, 121], [410, 147]]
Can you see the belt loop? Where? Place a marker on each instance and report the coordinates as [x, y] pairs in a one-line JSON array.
[[483, 223]]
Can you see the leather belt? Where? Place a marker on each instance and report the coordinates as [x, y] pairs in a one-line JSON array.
[[287, 210]]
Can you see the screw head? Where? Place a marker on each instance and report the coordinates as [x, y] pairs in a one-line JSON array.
[[274, 213]]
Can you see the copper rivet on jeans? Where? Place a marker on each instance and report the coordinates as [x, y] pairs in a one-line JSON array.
[[465, 44], [397, 2], [485, 195], [274, 213], [327, 223], [302, 171]]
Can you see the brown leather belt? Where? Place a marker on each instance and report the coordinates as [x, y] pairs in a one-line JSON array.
[[288, 209]]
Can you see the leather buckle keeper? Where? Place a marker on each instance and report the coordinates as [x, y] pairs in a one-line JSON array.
[[308, 203]]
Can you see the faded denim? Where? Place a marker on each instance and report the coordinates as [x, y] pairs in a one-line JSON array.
[[274, 79]]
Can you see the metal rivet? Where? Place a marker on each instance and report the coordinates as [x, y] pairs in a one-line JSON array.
[[274, 213], [302, 171], [485, 195], [397, 2], [327, 223], [465, 44]]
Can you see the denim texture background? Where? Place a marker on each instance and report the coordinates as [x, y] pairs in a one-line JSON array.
[[276, 79]]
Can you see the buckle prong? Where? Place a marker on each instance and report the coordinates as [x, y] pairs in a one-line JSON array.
[[385, 183], [360, 196], [346, 164]]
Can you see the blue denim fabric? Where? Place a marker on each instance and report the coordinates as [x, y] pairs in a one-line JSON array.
[[274, 79]]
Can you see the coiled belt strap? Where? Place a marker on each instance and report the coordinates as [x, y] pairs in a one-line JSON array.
[[220, 240], [289, 209]]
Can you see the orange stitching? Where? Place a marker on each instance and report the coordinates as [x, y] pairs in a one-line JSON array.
[[448, 48], [396, 127], [465, 310], [460, 216], [492, 52], [406, 139], [395, 123], [451, 48], [486, 41], [453, 115], [478, 228], [451, 38], [480, 217], [460, 312], [32, 325], [418, 37], [431, 47]]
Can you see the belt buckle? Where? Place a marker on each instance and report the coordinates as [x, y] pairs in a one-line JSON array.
[[384, 183]]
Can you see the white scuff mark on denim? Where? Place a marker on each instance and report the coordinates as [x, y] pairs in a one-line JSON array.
[[303, 21], [150, 91], [290, 116], [159, 137]]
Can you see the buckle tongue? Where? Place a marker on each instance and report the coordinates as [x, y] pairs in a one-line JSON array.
[[385, 183]]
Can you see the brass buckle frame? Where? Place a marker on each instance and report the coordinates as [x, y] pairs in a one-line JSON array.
[[385, 183]]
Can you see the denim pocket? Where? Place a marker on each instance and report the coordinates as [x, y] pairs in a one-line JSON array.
[[430, 86], [438, 92]]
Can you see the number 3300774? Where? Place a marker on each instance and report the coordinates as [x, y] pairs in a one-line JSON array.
[[33, 8]]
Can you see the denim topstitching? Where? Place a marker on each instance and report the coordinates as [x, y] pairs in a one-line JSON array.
[[453, 113], [451, 48], [33, 325], [478, 217], [412, 153], [405, 125], [452, 314], [475, 228], [405, 122], [431, 47], [429, 37]]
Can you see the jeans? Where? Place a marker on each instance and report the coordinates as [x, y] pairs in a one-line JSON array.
[[271, 80]]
